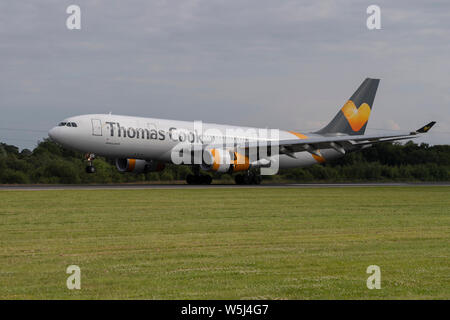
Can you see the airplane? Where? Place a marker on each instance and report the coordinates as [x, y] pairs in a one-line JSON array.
[[141, 144]]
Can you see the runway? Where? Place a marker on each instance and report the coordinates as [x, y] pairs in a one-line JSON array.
[[212, 186]]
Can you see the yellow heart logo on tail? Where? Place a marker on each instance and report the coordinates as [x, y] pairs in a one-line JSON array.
[[356, 117]]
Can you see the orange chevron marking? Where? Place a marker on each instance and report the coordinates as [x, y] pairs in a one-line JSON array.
[[319, 159], [356, 117], [299, 135]]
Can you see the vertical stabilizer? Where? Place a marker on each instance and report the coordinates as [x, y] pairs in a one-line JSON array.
[[352, 118]]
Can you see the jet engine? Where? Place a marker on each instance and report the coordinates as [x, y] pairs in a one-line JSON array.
[[220, 160], [138, 165]]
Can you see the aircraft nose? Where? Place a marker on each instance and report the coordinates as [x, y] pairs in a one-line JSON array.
[[53, 134]]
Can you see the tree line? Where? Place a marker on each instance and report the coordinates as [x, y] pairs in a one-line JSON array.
[[50, 163]]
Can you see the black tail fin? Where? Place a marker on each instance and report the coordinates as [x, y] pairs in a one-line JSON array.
[[354, 115]]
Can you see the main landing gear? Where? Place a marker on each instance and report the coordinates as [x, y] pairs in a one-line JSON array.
[[198, 178], [248, 178], [90, 159]]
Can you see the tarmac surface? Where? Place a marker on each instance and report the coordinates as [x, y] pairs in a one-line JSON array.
[[213, 186]]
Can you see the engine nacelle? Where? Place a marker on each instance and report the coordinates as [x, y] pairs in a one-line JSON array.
[[220, 160], [138, 165]]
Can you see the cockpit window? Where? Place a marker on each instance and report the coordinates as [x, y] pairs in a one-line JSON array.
[[67, 124]]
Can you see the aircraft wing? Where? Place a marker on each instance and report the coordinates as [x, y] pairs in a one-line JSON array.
[[339, 143], [342, 143]]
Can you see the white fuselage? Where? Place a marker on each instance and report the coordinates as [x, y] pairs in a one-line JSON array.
[[116, 136]]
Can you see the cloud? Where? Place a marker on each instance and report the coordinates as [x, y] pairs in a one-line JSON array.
[[392, 125]]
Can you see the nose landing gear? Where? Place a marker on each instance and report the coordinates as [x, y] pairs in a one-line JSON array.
[[90, 159]]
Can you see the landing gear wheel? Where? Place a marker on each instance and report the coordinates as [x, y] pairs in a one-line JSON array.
[[239, 179], [198, 179], [90, 169], [256, 179], [190, 179], [247, 179], [206, 179]]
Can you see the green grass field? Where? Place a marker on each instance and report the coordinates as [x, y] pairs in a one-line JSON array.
[[273, 243]]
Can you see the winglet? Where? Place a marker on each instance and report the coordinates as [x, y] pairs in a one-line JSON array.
[[426, 128]]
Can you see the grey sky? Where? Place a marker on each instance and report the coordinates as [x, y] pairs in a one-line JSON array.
[[285, 64]]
